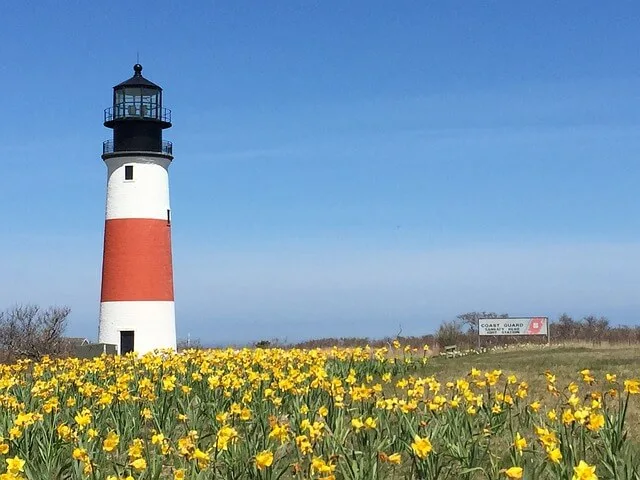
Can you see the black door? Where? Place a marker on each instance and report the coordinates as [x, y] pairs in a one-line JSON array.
[[126, 341]]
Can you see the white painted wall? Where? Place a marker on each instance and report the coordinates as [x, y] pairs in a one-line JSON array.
[[146, 196], [154, 324]]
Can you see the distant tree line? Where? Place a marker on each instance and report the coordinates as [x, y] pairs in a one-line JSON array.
[[463, 331], [28, 331]]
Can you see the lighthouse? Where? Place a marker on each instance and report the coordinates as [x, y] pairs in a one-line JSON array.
[[137, 310]]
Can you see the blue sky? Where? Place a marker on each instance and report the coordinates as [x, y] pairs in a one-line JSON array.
[[341, 168]]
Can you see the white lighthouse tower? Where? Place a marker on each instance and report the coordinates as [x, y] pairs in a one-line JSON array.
[[137, 304]]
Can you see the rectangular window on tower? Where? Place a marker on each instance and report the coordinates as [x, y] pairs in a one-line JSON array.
[[126, 341], [128, 172]]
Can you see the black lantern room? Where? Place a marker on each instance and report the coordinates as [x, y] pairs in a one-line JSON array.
[[137, 117]]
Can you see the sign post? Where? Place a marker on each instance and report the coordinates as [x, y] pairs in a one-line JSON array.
[[492, 327]]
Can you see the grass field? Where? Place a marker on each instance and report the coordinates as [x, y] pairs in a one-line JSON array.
[[332, 414], [530, 363]]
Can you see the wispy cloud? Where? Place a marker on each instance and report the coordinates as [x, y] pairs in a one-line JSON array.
[[248, 154], [366, 291], [362, 126], [306, 288]]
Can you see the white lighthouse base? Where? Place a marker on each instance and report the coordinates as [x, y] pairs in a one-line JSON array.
[[152, 323]]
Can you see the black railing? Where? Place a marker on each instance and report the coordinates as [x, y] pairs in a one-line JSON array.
[[136, 110], [109, 147]]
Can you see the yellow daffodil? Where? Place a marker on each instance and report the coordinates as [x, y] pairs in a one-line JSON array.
[[584, 471], [421, 447], [264, 459], [514, 472]]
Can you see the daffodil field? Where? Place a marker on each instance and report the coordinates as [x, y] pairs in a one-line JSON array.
[[267, 414]]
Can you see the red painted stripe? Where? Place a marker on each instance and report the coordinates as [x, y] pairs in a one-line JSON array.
[[137, 261]]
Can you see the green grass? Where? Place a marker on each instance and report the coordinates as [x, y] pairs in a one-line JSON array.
[[531, 363]]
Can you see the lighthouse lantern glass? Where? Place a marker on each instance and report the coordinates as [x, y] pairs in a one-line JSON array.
[[137, 102]]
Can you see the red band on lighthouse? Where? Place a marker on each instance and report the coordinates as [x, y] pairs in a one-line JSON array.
[[137, 261]]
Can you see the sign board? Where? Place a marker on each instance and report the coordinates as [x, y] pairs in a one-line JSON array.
[[513, 326]]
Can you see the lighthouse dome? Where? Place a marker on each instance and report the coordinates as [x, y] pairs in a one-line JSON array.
[[137, 116], [137, 98]]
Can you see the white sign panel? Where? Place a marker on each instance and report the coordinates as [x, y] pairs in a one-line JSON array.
[[513, 326]]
